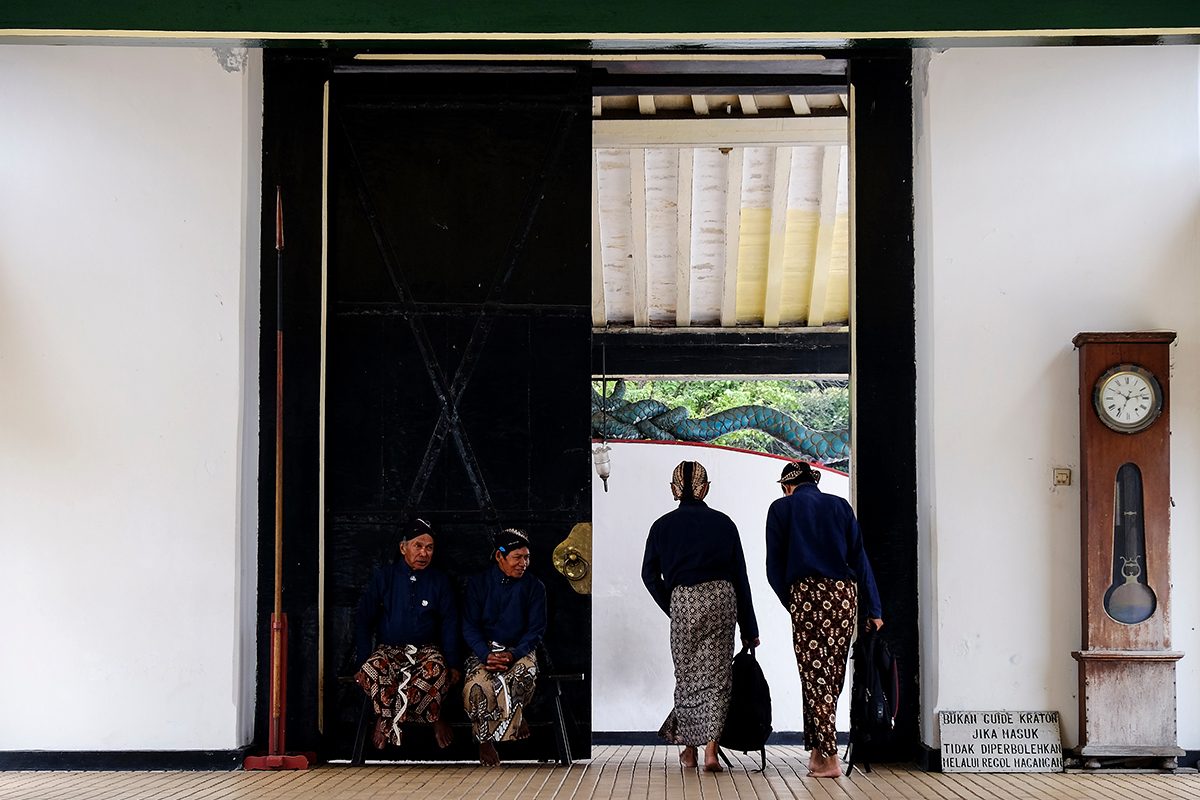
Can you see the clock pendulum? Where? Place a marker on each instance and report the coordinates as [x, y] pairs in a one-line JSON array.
[[1126, 665]]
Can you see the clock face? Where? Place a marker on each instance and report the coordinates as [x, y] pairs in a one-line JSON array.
[[1128, 398]]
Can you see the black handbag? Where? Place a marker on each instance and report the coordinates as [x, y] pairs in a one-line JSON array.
[[874, 699], [748, 723]]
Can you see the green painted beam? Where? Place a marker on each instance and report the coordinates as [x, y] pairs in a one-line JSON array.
[[384, 18]]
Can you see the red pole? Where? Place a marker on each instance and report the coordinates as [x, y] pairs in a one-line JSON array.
[[278, 623], [277, 757]]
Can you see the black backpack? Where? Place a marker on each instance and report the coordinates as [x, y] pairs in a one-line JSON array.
[[874, 698], [748, 724]]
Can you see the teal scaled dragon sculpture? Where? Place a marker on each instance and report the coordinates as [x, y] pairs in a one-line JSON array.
[[614, 418]]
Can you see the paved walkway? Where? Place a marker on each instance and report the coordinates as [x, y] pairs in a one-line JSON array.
[[613, 773]]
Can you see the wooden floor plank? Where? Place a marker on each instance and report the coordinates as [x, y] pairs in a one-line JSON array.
[[610, 773], [1016, 782], [1088, 786], [613, 773], [793, 768], [581, 788], [1151, 787], [969, 785], [555, 784], [898, 788], [776, 782], [873, 783], [622, 786], [933, 788], [586, 790]]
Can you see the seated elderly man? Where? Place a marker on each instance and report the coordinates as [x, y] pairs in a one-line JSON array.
[[504, 617], [416, 658]]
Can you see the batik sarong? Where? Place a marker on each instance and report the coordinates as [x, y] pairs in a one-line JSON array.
[[494, 700], [405, 684], [702, 623], [823, 614]]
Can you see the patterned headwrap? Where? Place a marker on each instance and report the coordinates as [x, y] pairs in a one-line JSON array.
[[418, 527], [798, 472], [689, 479], [511, 539]]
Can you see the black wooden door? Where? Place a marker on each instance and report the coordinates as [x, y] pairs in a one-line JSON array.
[[457, 342]]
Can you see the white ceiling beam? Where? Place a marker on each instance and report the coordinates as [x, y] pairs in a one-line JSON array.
[[733, 233], [597, 106], [599, 315], [748, 104], [775, 251], [637, 219], [830, 168], [623, 55], [799, 105], [700, 105], [720, 132], [646, 104], [683, 238]]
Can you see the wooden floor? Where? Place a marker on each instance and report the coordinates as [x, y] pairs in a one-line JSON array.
[[613, 773]]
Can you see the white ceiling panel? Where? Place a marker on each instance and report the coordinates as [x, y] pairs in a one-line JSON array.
[[773, 250]]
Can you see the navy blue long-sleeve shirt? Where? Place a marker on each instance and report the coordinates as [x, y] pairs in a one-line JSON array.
[[695, 544], [509, 611], [810, 533], [411, 607]]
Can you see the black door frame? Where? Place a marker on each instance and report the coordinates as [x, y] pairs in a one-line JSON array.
[[883, 346]]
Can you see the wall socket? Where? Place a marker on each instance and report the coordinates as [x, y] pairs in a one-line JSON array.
[[1062, 476]]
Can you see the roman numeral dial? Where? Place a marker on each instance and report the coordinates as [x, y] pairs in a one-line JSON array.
[[1128, 398]]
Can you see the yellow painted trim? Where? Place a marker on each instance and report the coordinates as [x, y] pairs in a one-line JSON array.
[[321, 413], [519, 36]]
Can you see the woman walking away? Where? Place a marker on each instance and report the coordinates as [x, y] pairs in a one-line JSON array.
[[815, 564], [695, 570]]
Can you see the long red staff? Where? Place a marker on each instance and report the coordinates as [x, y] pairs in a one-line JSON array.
[[277, 757]]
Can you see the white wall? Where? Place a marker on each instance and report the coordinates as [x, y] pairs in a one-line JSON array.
[[1057, 191], [128, 396], [632, 676]]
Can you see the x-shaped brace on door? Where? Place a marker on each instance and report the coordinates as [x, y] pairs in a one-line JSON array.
[[449, 395]]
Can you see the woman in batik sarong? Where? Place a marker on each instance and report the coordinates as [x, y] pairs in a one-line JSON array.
[[504, 617], [817, 565], [416, 656], [695, 570]]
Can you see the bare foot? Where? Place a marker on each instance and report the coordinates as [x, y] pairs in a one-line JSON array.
[[379, 733], [523, 731], [712, 763], [488, 755], [688, 756], [823, 766], [443, 734]]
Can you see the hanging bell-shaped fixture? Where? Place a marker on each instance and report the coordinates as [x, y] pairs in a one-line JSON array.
[[603, 466]]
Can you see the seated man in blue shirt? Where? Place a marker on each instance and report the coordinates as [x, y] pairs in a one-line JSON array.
[[504, 617], [417, 655]]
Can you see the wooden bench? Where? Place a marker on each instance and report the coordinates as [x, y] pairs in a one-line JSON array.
[[556, 725]]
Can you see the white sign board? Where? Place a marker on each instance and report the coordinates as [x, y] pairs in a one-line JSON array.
[[1000, 741]]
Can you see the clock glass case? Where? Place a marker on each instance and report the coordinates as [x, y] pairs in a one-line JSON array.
[[1129, 599], [1128, 398]]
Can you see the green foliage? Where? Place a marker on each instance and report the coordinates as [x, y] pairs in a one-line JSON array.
[[822, 405]]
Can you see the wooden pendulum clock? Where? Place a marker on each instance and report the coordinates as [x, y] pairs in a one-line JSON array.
[[1126, 665]]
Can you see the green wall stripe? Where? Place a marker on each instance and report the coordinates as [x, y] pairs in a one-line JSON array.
[[582, 17]]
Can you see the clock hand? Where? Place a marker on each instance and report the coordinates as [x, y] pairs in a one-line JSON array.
[[1123, 406]]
